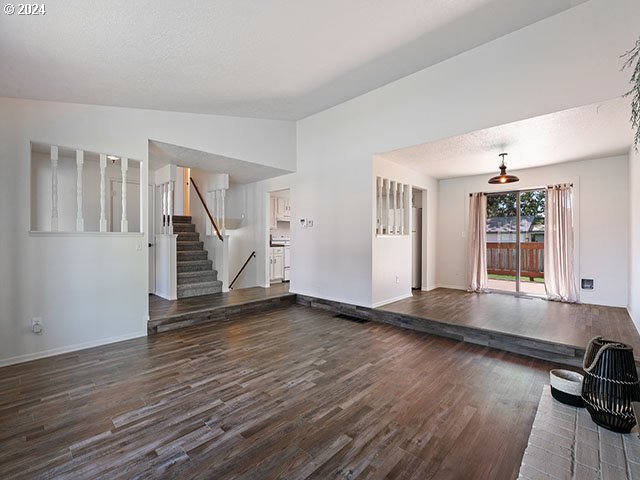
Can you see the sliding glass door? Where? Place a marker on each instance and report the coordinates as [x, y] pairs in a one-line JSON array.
[[515, 241]]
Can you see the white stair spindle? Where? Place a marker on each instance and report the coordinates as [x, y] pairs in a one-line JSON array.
[[79, 165], [379, 205], [394, 197], [222, 211], [54, 188], [401, 198], [170, 205], [386, 208], [164, 207], [124, 166], [103, 192]]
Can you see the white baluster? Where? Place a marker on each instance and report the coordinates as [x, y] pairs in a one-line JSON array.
[[393, 207], [54, 188], [379, 205], [385, 208], [222, 210], [79, 165], [124, 166], [170, 202], [401, 212], [164, 207], [103, 192]]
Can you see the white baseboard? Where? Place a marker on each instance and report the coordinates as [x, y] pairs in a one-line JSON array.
[[454, 287], [69, 348], [391, 300]]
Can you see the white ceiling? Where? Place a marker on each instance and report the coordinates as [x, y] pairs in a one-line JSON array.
[[593, 131], [281, 59], [239, 171]]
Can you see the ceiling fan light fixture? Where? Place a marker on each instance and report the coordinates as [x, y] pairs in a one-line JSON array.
[[503, 177]]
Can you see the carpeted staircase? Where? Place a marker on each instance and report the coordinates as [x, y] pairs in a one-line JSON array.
[[196, 275]]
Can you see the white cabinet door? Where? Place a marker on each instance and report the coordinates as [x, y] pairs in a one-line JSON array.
[[278, 266], [276, 263], [287, 209]]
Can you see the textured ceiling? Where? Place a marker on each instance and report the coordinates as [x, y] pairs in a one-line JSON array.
[[593, 131], [239, 171], [281, 59]]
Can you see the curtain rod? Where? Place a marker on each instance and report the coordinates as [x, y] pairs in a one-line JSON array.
[[515, 191]]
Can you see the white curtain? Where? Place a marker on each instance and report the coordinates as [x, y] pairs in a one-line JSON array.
[[559, 278], [477, 280]]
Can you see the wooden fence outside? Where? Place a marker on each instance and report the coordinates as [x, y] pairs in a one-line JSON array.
[[501, 259]]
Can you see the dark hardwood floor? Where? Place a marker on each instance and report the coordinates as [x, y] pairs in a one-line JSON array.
[[532, 318], [290, 393]]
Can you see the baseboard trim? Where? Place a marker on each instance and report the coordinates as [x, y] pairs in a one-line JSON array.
[[69, 348], [453, 287], [391, 300]]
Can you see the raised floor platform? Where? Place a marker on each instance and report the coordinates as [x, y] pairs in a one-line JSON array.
[[165, 315], [534, 327]]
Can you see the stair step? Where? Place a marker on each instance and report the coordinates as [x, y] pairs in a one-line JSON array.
[[194, 266], [194, 255], [185, 278], [188, 236], [197, 289], [189, 245], [183, 227], [181, 219]]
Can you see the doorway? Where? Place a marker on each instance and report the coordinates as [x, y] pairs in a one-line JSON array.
[[416, 238], [515, 241], [279, 247]]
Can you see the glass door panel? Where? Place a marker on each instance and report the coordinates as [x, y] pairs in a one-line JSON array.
[[501, 231], [532, 219]]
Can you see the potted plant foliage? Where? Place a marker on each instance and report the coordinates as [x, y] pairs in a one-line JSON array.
[[633, 61]]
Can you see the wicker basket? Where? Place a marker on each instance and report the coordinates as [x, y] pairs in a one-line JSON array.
[[610, 384]]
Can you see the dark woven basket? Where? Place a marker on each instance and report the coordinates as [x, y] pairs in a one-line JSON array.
[[610, 384]]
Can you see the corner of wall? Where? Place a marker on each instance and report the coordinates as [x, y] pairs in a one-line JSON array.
[[633, 306]]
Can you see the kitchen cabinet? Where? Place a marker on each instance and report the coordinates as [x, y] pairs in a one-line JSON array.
[[276, 263], [283, 209]]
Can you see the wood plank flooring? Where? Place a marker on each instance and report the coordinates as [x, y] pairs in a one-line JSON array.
[[560, 323], [292, 393]]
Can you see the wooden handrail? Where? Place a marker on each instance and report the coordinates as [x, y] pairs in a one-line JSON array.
[[253, 254], [215, 227]]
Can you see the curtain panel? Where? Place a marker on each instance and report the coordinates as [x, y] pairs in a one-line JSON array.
[[477, 280], [559, 277]]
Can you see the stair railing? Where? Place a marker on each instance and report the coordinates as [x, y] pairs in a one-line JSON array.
[[204, 204], [253, 254]]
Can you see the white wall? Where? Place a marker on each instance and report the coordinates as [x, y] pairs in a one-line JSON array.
[[90, 289], [634, 236], [600, 219], [565, 61]]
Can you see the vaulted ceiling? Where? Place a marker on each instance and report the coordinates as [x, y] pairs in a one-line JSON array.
[[281, 59]]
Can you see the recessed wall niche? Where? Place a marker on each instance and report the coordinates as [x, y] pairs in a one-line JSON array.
[[392, 207]]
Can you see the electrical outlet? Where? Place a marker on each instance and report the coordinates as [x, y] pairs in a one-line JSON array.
[[303, 222], [397, 279], [309, 223], [36, 325]]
